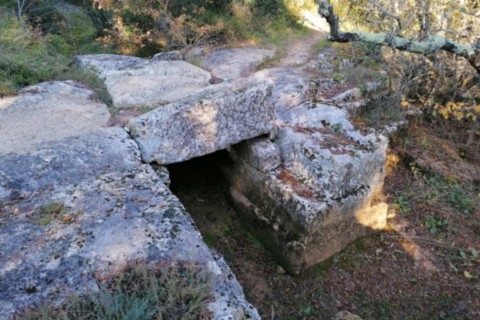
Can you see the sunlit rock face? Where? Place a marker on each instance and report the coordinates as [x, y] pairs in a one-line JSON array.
[[49, 111], [212, 120], [81, 205], [231, 64], [135, 82]]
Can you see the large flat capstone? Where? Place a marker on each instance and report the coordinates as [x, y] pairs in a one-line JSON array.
[[78, 209], [204, 123], [230, 64], [49, 111], [136, 82]]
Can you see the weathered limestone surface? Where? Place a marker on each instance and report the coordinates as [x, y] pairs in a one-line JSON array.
[[322, 195], [111, 210], [229, 64], [260, 153], [135, 82], [291, 87], [305, 180], [49, 111], [65, 162], [168, 56], [104, 63], [205, 123]]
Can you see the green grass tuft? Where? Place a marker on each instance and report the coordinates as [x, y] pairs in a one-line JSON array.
[[179, 290]]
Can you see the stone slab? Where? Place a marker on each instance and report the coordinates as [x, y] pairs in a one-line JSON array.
[[204, 123], [230, 64], [49, 111], [113, 219], [291, 87], [110, 210], [134, 82]]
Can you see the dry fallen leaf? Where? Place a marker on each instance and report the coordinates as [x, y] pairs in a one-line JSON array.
[[467, 275]]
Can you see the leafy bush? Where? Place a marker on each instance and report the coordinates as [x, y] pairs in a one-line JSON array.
[[27, 57], [171, 291], [39, 47]]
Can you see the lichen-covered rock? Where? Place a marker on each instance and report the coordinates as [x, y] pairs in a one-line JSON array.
[[322, 62], [104, 63], [81, 205], [135, 82], [322, 196], [229, 64], [204, 123], [97, 227], [291, 87], [260, 153], [69, 161], [49, 111]]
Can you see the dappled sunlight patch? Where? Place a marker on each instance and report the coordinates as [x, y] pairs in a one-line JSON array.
[[6, 102], [373, 216], [313, 21], [418, 254], [392, 162], [422, 257]]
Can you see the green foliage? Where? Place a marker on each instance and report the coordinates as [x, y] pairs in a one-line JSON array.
[[48, 212], [402, 204], [39, 47], [323, 44], [27, 58], [146, 27], [458, 196], [434, 224], [337, 128], [170, 291], [267, 7]]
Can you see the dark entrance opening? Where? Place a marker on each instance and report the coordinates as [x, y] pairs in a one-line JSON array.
[[201, 186]]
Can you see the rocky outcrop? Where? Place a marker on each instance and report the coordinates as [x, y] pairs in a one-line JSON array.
[[309, 191], [135, 82], [323, 193], [80, 207], [76, 200], [210, 121], [230, 64]]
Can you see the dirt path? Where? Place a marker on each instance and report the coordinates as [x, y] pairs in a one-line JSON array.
[[299, 51]]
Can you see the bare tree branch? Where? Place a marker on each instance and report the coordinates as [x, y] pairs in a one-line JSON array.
[[389, 14], [431, 44]]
